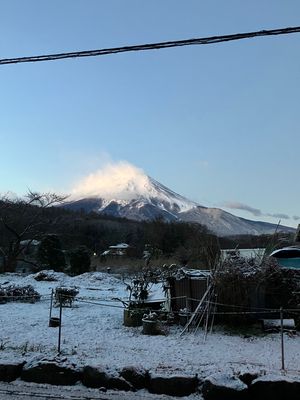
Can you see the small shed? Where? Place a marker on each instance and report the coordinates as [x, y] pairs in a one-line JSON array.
[[187, 288]]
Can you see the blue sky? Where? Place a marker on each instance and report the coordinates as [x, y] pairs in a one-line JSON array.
[[218, 124]]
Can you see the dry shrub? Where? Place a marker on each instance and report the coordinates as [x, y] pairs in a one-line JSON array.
[[25, 294], [252, 285]]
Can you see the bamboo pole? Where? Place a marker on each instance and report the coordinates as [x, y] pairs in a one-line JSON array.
[[196, 311], [206, 321], [208, 314]]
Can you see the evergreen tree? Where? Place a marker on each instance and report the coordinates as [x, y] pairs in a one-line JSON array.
[[80, 260]]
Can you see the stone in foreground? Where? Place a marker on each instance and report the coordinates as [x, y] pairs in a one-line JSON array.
[[173, 385], [138, 377], [100, 377], [52, 371], [275, 387], [10, 371], [224, 387]]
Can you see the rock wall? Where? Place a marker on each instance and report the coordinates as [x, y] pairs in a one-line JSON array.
[[59, 371]]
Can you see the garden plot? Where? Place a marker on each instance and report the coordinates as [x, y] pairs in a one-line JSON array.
[[94, 334]]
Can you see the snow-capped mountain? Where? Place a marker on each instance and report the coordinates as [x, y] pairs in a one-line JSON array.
[[134, 195]]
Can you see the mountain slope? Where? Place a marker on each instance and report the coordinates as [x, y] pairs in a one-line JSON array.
[[141, 197]]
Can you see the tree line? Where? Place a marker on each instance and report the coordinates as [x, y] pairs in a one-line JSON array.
[[41, 218]]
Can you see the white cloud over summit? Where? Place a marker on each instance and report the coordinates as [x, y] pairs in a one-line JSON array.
[[115, 180]]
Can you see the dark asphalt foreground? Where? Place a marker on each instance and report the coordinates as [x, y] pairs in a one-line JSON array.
[[19, 390]]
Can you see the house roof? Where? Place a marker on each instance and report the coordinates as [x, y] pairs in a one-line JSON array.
[[120, 246], [27, 242], [193, 273]]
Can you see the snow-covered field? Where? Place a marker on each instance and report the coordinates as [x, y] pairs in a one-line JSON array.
[[95, 334]]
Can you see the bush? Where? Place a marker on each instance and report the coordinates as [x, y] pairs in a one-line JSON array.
[[50, 253], [253, 285], [47, 276], [65, 296], [25, 294]]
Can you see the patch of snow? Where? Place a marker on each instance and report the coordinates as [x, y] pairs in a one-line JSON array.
[[226, 380], [278, 378], [93, 332], [32, 242]]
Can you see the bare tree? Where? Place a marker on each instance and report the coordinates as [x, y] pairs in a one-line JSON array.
[[23, 220]]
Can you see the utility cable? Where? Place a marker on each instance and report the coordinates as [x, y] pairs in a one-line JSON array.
[[151, 46]]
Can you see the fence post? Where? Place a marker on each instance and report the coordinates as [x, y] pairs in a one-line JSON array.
[[282, 338], [51, 302], [214, 311], [60, 320]]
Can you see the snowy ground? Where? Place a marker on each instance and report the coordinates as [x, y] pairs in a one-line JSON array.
[[95, 334]]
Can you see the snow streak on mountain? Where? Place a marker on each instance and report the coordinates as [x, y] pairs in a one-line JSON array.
[[123, 190]]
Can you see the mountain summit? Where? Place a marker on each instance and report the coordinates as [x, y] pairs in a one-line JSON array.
[[126, 191]]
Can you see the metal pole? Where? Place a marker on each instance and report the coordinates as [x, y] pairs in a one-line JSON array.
[[51, 302], [282, 338], [60, 319]]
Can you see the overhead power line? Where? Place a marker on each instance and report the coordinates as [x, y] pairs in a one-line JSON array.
[[151, 46]]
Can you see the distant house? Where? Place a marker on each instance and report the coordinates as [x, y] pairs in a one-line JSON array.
[[245, 253], [118, 250], [29, 246]]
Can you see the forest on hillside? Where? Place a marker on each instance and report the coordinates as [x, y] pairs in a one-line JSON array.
[[33, 219]]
